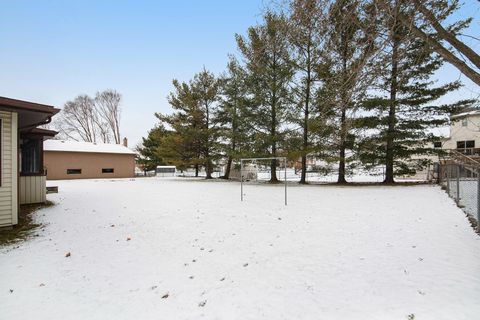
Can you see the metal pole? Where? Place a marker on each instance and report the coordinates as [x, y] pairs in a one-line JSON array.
[[447, 174], [241, 179], [478, 199], [458, 184], [285, 178]]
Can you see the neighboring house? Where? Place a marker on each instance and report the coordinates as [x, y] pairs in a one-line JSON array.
[[22, 179], [87, 160], [464, 133]]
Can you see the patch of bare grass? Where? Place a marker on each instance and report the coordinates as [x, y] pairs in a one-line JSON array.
[[25, 227]]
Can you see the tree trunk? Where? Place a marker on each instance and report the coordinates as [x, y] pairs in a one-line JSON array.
[[343, 118], [273, 171], [390, 145], [303, 178], [273, 132], [208, 169], [227, 169], [196, 170], [343, 147]]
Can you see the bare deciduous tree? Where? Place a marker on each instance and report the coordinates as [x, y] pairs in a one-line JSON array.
[[443, 40], [108, 108], [77, 120], [92, 119]]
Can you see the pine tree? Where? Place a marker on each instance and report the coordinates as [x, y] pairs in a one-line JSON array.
[[307, 38], [205, 89], [266, 54], [352, 43], [231, 113], [149, 157], [404, 111], [184, 144], [194, 137]]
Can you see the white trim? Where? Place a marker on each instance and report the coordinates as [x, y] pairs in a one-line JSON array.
[[14, 135]]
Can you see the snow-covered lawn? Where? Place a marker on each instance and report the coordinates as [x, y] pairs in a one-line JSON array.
[[182, 249]]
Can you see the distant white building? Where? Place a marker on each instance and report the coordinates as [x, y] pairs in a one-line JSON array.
[[464, 133]]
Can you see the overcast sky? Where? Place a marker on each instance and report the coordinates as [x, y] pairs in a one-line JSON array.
[[52, 51]]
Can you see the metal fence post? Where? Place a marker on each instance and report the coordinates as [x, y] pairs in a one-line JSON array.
[[478, 199], [241, 180], [458, 185], [285, 177], [447, 174]]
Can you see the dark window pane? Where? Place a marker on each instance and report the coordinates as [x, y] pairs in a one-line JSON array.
[[460, 144], [437, 144], [30, 154], [470, 144], [107, 170], [74, 171]]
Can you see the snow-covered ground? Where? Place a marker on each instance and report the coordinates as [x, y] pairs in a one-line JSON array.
[[181, 249]]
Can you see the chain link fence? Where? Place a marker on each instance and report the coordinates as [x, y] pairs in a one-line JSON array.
[[462, 183]]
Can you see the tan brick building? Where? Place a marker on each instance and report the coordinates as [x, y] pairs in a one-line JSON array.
[[86, 160]]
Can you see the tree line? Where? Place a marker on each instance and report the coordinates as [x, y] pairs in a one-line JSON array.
[[345, 81]]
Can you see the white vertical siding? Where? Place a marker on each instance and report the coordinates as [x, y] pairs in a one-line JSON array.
[[8, 188], [33, 189]]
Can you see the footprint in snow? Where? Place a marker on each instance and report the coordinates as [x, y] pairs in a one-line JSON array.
[[202, 303], [165, 296]]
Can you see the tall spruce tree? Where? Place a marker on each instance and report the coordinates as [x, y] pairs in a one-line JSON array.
[[266, 54], [405, 109], [231, 113], [205, 90], [186, 123], [149, 157], [352, 43], [307, 37]]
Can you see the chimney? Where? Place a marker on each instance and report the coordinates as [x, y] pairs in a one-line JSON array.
[[125, 142]]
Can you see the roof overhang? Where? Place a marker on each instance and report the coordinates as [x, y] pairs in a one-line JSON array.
[[30, 114], [39, 133]]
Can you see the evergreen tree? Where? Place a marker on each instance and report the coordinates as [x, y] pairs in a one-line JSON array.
[[307, 37], [405, 109], [231, 113], [352, 43], [149, 157], [184, 144], [266, 54], [205, 90], [193, 140]]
